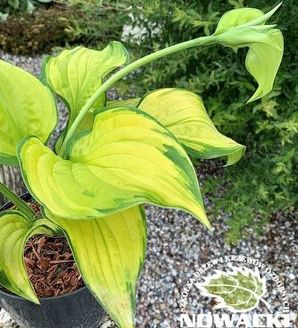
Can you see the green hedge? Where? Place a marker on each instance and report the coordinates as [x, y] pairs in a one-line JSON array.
[[263, 182]]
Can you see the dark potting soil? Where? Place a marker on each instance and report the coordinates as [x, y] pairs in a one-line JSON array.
[[50, 264]]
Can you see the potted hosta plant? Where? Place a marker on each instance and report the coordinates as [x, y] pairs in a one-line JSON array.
[[112, 157]]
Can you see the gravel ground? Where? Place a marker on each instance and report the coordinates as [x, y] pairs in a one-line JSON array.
[[178, 245]]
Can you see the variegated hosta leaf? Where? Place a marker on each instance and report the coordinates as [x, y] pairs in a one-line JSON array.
[[15, 229], [133, 102], [263, 60], [184, 114], [110, 252], [26, 108], [243, 28], [76, 74], [128, 158], [88, 119]]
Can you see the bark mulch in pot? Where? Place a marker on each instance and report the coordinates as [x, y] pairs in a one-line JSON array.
[[51, 266]]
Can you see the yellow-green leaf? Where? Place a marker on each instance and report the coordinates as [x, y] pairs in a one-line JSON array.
[[263, 60], [236, 17], [133, 102], [184, 114], [75, 74], [243, 27], [110, 252], [87, 122], [26, 108], [15, 229], [127, 159]]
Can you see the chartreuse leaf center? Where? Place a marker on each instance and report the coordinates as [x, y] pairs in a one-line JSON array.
[[114, 247], [184, 114], [77, 73], [27, 108], [127, 158]]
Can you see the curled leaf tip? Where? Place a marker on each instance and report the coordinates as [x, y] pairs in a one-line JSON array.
[[202, 217], [262, 19], [245, 27], [235, 157], [273, 10]]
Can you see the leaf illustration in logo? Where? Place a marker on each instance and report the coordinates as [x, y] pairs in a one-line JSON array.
[[238, 290]]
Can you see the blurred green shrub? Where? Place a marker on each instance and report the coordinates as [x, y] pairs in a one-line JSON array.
[[263, 182], [61, 25], [97, 22], [8, 7], [36, 32]]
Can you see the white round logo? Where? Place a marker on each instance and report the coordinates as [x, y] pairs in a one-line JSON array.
[[237, 287]]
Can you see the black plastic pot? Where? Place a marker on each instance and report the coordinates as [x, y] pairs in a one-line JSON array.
[[75, 310]]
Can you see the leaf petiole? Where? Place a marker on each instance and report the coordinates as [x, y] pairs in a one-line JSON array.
[[205, 40], [17, 201]]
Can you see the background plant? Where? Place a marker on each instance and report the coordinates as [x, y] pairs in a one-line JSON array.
[[264, 180], [8, 7], [62, 24]]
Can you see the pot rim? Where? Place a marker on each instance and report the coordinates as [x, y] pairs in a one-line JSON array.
[[51, 298], [27, 196]]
